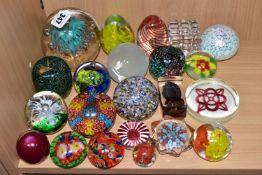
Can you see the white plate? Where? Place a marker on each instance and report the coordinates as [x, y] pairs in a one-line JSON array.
[[127, 60], [211, 100]]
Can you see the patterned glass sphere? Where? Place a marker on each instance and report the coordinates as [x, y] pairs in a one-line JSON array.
[[136, 98], [105, 150], [77, 41], [133, 133], [32, 147], [52, 74], [116, 31], [91, 75], [166, 61], [144, 154], [220, 41], [68, 149], [90, 113], [46, 112], [173, 137], [212, 142], [200, 65]]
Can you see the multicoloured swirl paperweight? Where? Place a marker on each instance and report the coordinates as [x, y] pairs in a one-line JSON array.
[[116, 31], [172, 137], [220, 41], [152, 33], [46, 112], [68, 149], [90, 113], [211, 100], [105, 150], [52, 74], [136, 98], [133, 133], [77, 41], [32, 147], [166, 61], [212, 142], [144, 154], [200, 65], [91, 75]]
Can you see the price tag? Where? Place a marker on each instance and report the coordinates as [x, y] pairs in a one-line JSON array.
[[61, 18]]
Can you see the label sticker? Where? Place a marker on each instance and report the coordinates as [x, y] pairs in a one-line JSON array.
[[61, 18]]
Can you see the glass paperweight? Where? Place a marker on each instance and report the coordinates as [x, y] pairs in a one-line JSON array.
[[90, 113], [105, 150], [172, 137], [77, 41], [46, 112], [152, 33], [212, 142], [116, 31], [91, 75], [124, 58], [133, 133], [32, 147], [220, 41], [166, 61], [68, 149], [144, 154], [185, 34], [52, 74], [200, 65], [212, 100], [172, 98], [136, 98]]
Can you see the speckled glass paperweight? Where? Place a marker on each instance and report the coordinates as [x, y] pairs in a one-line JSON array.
[[212, 142], [105, 150], [220, 41], [116, 31], [46, 112], [68, 149], [136, 98], [77, 41], [91, 75], [90, 113], [52, 74], [166, 61], [200, 65]]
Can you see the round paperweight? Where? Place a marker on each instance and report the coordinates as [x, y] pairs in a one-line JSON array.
[[46, 112], [127, 60], [76, 41], [90, 113], [220, 41], [212, 100], [212, 142], [105, 150], [91, 75], [135, 98], [68, 149]]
